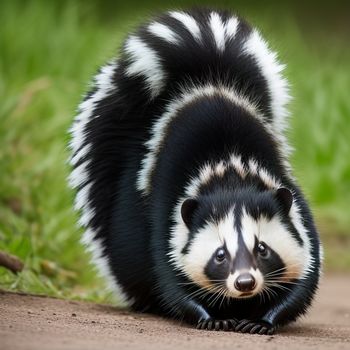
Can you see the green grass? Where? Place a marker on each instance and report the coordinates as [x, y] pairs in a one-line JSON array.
[[48, 52]]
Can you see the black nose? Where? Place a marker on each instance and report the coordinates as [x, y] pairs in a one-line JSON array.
[[245, 282]]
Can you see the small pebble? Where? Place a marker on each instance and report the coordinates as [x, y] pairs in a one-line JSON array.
[[74, 314]]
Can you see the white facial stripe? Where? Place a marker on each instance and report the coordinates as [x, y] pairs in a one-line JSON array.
[[206, 241], [189, 23], [145, 62], [296, 258], [162, 31], [204, 244], [249, 228], [228, 234], [218, 29], [275, 235]]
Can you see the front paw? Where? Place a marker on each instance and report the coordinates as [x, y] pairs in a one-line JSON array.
[[255, 327], [218, 325]]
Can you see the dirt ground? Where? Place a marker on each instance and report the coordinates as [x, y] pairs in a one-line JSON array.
[[31, 322]]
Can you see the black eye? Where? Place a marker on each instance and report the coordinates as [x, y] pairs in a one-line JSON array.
[[220, 255], [263, 250]]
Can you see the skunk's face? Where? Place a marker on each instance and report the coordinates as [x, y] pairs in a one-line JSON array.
[[252, 247]]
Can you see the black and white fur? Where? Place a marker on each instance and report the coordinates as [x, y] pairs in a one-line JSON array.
[[183, 182]]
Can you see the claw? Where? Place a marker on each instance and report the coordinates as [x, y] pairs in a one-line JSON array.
[[232, 323], [241, 324], [263, 330], [217, 325], [248, 327], [254, 327]]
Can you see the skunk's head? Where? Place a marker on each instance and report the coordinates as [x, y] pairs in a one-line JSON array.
[[240, 244]]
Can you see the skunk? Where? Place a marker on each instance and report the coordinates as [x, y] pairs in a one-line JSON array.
[[180, 165]]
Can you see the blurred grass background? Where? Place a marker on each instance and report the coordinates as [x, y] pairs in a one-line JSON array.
[[48, 53]]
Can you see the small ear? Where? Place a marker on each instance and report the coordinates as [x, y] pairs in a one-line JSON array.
[[285, 198], [187, 209]]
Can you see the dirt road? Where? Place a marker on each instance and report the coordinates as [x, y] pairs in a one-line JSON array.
[[38, 323]]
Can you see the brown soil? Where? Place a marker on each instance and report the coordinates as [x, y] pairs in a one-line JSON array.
[[31, 322]]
